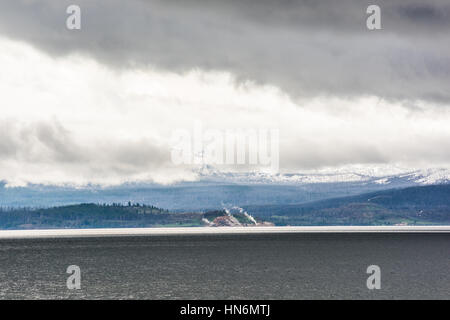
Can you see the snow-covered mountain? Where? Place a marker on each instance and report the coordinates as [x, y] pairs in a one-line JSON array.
[[215, 189], [384, 175]]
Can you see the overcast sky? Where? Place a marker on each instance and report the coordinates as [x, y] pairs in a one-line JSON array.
[[100, 104]]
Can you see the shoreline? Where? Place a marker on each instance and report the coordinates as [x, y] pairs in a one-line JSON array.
[[124, 232]]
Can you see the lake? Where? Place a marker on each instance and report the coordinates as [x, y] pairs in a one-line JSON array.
[[293, 265]]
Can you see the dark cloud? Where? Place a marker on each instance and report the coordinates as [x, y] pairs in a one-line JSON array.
[[424, 151], [426, 13], [50, 144], [307, 48]]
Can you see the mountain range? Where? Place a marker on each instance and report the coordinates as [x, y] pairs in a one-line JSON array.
[[217, 190]]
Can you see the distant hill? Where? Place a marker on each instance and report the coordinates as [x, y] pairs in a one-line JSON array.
[[195, 196], [414, 205], [115, 216], [93, 216]]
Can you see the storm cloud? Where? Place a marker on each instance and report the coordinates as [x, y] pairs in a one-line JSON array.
[[45, 152], [306, 48]]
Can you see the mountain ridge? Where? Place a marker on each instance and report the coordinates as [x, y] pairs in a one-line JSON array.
[[412, 205]]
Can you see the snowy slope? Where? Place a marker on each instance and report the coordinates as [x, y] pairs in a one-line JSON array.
[[379, 175]]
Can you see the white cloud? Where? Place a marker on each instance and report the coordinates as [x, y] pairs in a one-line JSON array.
[[73, 120]]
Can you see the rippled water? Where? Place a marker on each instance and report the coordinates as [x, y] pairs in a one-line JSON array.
[[264, 266]]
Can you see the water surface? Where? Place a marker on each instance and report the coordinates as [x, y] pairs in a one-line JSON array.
[[229, 266]]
